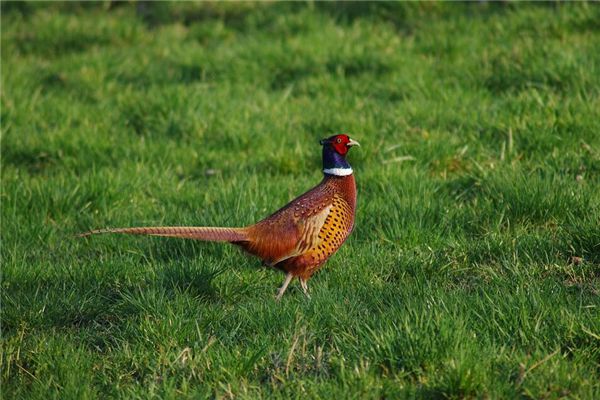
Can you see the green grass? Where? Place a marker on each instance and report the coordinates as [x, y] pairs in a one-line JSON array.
[[458, 280]]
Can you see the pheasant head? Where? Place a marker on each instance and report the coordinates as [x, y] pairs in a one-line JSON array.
[[335, 149]]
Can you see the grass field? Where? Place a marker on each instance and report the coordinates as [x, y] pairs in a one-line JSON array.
[[474, 267]]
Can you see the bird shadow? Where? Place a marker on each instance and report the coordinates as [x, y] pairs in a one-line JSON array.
[[192, 267], [182, 278]]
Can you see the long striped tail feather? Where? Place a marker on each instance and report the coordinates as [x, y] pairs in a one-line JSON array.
[[215, 234]]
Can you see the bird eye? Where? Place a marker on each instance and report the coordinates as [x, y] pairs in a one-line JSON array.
[[339, 140]]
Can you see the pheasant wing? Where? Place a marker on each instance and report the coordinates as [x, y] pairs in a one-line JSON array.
[[292, 229], [308, 237]]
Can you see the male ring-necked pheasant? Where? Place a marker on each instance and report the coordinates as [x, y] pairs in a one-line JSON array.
[[301, 236]]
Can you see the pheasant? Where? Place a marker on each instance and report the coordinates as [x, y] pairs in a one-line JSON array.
[[298, 238]]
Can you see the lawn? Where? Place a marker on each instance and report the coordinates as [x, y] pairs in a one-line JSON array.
[[474, 267]]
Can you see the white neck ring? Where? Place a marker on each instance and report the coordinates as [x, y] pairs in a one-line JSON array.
[[338, 171]]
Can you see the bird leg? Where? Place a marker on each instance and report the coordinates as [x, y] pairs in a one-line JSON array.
[[281, 291], [304, 287]]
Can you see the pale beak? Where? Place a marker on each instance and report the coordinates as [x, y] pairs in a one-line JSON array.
[[352, 143]]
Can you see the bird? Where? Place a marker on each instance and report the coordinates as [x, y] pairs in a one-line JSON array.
[[298, 238]]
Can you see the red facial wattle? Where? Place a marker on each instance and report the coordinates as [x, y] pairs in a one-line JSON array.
[[340, 144]]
